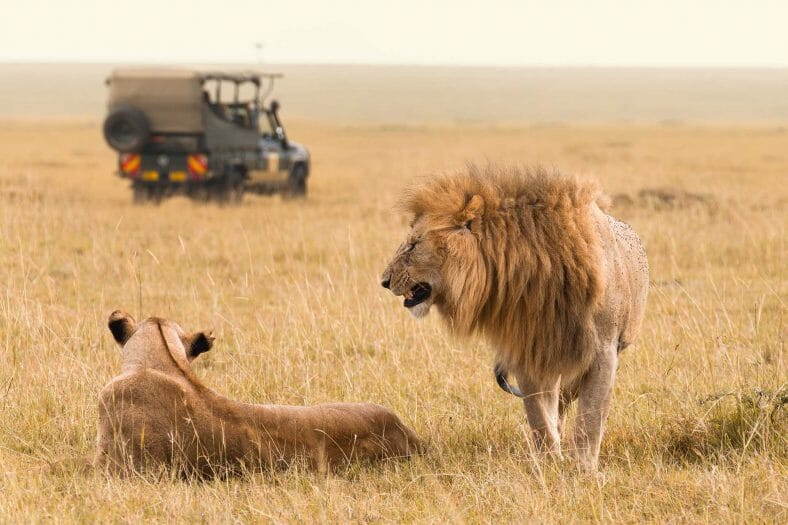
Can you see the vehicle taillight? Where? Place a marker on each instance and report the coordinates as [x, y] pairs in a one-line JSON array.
[[197, 165], [130, 164]]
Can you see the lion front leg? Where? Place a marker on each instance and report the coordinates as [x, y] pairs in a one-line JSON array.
[[541, 411], [594, 396]]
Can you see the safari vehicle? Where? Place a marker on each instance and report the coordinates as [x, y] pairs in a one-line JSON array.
[[175, 131]]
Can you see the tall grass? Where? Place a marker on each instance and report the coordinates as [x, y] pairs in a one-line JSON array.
[[698, 425]]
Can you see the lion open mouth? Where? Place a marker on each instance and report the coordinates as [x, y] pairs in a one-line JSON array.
[[417, 295]]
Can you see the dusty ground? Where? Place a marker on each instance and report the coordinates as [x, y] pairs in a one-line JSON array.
[[698, 427]]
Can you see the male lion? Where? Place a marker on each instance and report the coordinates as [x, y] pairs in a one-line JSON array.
[[530, 260], [156, 413]]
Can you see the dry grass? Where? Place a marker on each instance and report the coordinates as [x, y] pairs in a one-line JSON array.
[[698, 427]]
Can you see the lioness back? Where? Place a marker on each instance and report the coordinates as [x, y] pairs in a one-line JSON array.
[[148, 417], [136, 414]]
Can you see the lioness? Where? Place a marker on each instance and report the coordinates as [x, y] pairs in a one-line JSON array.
[[157, 413], [531, 260]]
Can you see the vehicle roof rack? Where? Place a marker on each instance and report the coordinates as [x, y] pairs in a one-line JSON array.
[[255, 77], [240, 76]]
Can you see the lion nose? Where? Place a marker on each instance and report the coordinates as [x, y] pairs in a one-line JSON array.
[[386, 284]]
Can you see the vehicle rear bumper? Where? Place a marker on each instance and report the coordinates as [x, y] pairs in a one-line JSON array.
[[155, 177], [170, 168]]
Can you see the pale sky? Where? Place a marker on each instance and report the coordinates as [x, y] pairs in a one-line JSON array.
[[494, 32]]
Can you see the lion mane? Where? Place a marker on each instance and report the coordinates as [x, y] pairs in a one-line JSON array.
[[529, 259], [532, 286]]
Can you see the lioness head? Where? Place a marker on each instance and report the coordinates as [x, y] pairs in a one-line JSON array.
[[439, 256], [148, 343]]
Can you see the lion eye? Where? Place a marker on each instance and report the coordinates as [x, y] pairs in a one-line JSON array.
[[410, 247]]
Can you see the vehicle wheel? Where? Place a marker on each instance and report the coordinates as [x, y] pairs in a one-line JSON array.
[[229, 189], [126, 129], [235, 193], [297, 181], [199, 193], [146, 194]]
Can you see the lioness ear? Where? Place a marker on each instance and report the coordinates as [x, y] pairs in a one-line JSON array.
[[199, 343], [122, 325], [473, 209]]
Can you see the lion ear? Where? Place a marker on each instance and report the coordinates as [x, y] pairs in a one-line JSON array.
[[473, 209], [122, 325], [199, 343]]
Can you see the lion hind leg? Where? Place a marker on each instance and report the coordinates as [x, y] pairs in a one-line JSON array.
[[568, 395], [593, 404]]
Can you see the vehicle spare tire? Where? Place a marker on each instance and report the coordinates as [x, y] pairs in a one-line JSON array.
[[126, 129]]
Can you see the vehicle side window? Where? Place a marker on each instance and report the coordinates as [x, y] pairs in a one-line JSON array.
[[216, 108], [241, 112], [239, 115]]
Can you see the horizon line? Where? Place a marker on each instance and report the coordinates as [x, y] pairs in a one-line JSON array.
[[53, 62]]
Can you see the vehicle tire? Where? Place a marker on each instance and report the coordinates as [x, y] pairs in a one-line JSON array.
[[229, 189], [127, 129], [297, 181], [141, 194], [234, 194], [146, 194], [199, 192]]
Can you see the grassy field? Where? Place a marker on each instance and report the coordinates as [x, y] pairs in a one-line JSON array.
[[698, 428]]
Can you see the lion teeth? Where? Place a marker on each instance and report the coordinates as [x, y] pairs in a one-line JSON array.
[[408, 295]]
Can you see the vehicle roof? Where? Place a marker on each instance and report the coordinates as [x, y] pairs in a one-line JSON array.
[[190, 74]]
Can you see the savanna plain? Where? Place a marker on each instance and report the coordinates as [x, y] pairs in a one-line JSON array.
[[698, 427]]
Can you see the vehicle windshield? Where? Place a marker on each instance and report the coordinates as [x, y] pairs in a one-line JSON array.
[[267, 124]]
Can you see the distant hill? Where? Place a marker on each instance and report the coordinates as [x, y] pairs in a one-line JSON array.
[[414, 94]]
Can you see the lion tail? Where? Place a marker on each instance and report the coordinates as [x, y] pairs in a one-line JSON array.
[[500, 377]]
